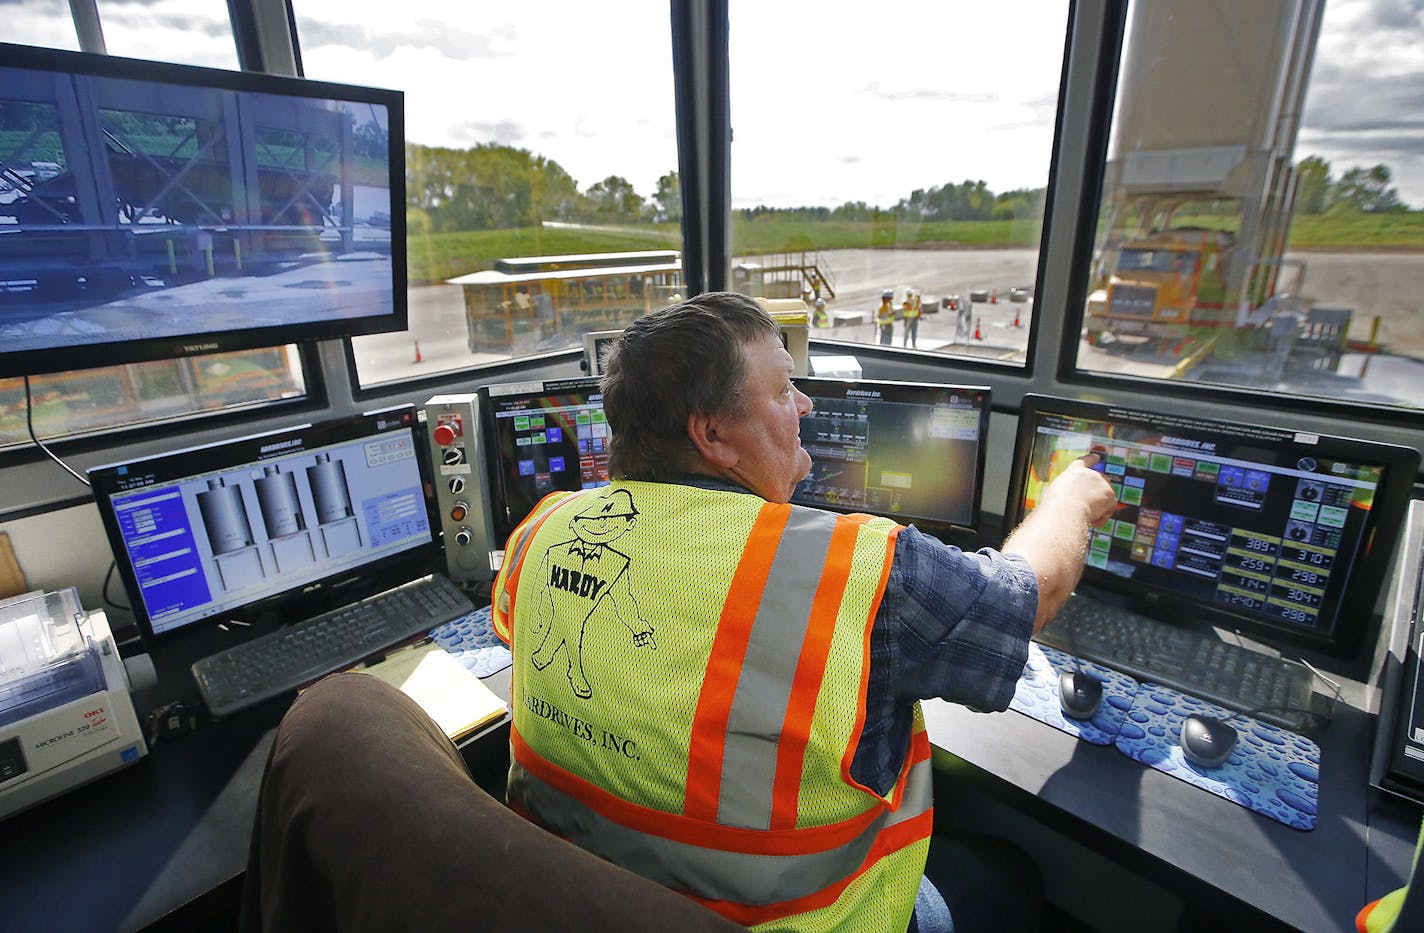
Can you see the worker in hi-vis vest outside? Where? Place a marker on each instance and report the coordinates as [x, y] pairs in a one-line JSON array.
[[885, 317], [910, 312], [719, 690]]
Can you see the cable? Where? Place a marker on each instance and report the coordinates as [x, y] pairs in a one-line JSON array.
[[1313, 720], [30, 424], [105, 591]]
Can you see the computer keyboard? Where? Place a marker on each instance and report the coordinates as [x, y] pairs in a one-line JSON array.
[[247, 674], [1189, 659]]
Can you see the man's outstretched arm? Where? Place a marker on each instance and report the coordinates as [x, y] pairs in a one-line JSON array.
[[1054, 538]]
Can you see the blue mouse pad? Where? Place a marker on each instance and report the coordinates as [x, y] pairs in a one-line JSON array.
[[1270, 770], [1036, 695], [471, 639]]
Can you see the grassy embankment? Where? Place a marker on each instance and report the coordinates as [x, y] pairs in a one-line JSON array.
[[436, 257]]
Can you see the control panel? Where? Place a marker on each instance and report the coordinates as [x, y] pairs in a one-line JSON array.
[[452, 424]]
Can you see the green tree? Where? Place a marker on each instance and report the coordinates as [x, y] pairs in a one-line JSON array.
[[556, 194], [970, 200], [1368, 190], [487, 187], [668, 198], [613, 199], [856, 211], [1312, 185], [370, 139], [1020, 204]]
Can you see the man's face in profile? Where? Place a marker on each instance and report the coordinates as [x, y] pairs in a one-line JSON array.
[[767, 435]]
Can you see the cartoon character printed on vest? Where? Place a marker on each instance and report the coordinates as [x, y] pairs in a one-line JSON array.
[[579, 576]]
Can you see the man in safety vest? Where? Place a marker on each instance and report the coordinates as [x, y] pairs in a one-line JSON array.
[[910, 311], [885, 317], [744, 725]]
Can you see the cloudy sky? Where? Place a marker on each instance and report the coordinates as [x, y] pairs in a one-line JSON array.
[[832, 101]]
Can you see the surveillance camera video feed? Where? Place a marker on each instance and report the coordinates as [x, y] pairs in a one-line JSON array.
[[171, 210]]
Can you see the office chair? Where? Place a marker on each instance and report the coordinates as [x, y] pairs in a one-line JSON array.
[[368, 819]]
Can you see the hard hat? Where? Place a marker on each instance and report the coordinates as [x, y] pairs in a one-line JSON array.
[[888, 293], [820, 302], [615, 504]]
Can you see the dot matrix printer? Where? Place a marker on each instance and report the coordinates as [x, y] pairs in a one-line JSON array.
[[65, 713]]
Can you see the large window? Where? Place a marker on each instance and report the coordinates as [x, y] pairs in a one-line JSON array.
[[534, 131], [90, 400], [189, 32], [1261, 214], [40, 22], [898, 148]]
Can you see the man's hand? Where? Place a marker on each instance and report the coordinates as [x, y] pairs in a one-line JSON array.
[[1054, 538], [1083, 485]]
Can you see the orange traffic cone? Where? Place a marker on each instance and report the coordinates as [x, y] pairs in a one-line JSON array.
[[994, 297], [418, 358], [1017, 322], [978, 334]]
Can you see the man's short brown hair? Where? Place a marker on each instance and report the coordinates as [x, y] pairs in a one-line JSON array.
[[685, 359]]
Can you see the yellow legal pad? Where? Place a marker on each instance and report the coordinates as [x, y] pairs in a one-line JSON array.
[[456, 699]]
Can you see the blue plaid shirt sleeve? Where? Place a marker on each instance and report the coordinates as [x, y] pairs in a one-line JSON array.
[[959, 623], [951, 624]]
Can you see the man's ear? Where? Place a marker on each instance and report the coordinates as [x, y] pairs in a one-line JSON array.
[[703, 431]]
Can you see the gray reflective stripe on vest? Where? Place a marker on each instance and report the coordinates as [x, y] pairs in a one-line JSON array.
[[764, 686], [711, 873], [919, 793]]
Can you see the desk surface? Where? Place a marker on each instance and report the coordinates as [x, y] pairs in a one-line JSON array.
[[1189, 841]]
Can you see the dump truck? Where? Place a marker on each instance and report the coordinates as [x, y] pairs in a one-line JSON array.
[[1176, 282]]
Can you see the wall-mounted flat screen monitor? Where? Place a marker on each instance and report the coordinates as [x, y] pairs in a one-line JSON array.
[[1280, 533], [280, 525], [151, 210], [913, 452]]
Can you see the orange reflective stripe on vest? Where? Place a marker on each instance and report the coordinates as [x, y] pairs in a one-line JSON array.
[[771, 873]]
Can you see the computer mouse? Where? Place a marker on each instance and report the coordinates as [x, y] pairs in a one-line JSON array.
[[1079, 694], [1206, 740]]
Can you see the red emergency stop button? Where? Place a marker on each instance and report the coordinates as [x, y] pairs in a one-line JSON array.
[[445, 434]]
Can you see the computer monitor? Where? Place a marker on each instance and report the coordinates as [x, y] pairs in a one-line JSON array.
[[1282, 534], [151, 210], [909, 451], [276, 526], [539, 437]]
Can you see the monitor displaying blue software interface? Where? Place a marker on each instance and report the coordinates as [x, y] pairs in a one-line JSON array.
[[1273, 531], [152, 210], [539, 437], [292, 521]]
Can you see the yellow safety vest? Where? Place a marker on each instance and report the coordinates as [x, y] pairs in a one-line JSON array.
[[911, 310], [885, 314], [689, 691]]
